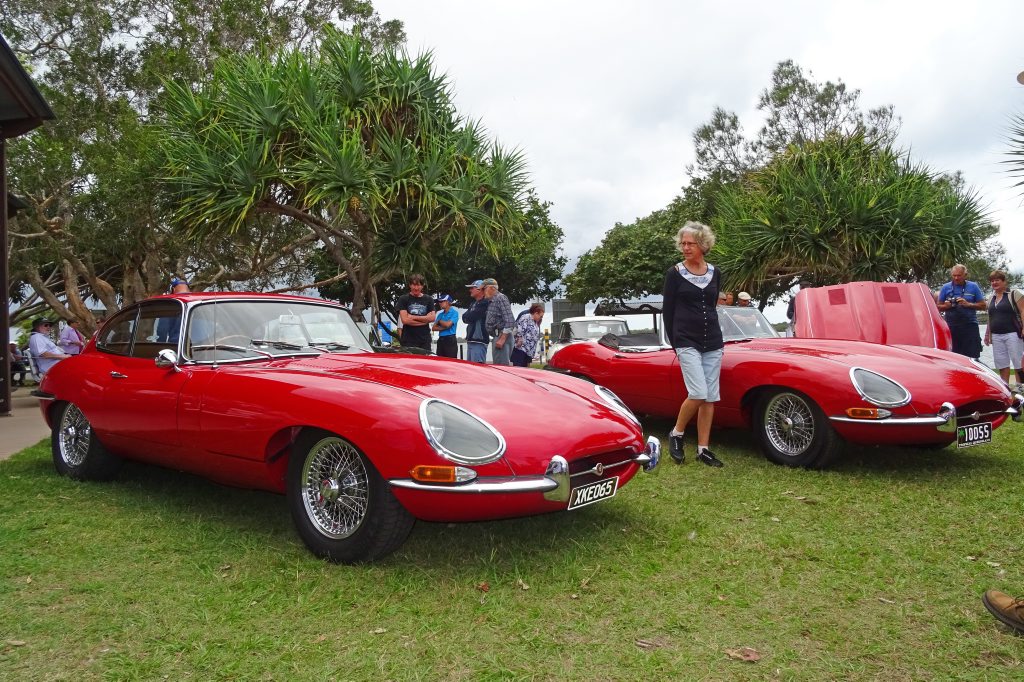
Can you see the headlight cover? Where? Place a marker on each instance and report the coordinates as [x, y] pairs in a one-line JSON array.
[[878, 389], [459, 436], [615, 402]]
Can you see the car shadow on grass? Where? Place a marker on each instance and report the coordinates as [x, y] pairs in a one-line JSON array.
[[891, 461], [256, 518], [252, 517]]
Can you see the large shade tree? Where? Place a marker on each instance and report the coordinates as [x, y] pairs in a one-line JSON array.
[[800, 151], [527, 265], [797, 109], [842, 209], [362, 149], [97, 226]]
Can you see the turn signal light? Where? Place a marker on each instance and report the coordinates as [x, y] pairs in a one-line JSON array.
[[433, 474], [867, 413], [429, 473]]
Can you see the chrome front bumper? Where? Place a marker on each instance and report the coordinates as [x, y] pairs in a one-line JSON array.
[[945, 419], [555, 483]]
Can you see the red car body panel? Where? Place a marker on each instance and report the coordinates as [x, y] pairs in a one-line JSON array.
[[650, 382], [878, 312], [235, 422]]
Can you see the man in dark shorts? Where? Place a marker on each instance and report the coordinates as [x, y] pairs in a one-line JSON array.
[[416, 311]]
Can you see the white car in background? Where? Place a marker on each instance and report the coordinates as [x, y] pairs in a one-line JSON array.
[[588, 328]]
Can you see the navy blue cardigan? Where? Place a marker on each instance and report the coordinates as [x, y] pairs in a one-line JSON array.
[[689, 312]]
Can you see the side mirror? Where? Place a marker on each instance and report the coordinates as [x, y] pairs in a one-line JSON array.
[[167, 358]]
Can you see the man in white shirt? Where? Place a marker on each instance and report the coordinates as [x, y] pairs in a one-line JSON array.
[[42, 348]]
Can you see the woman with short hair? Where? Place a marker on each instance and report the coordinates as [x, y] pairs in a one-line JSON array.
[[1005, 310], [691, 326], [527, 335]]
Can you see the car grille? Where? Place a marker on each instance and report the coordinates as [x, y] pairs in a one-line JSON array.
[[979, 411], [613, 463]]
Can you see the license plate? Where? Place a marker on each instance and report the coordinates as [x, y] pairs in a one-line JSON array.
[[593, 492], [975, 434]]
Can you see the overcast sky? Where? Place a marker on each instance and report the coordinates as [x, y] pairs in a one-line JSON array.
[[603, 97]]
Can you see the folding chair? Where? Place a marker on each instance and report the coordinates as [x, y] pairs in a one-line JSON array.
[[33, 368]]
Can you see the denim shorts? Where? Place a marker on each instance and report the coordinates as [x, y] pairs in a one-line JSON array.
[[701, 372]]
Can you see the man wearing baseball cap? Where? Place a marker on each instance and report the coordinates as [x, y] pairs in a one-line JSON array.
[[500, 323], [42, 348], [445, 322], [477, 337], [744, 300]]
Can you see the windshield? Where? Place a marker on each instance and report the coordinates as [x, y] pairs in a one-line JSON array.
[[232, 330], [592, 329], [744, 323]]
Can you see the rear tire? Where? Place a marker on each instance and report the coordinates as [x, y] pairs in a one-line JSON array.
[[793, 431], [342, 508], [77, 453]]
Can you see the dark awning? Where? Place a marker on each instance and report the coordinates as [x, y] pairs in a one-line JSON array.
[[22, 107]]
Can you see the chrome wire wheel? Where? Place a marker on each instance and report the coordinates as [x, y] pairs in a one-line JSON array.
[[789, 424], [74, 436], [335, 488]]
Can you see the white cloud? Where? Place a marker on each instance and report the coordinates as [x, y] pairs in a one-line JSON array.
[[603, 97]]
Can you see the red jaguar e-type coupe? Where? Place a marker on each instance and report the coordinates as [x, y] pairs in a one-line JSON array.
[[803, 397], [283, 393]]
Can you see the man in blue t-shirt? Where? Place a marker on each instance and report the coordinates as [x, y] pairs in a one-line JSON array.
[[961, 300], [445, 322]]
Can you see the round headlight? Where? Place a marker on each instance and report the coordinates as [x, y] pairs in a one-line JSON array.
[[615, 402], [458, 435], [878, 389]]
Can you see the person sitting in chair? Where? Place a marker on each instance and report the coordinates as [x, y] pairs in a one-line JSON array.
[[19, 368], [42, 348]]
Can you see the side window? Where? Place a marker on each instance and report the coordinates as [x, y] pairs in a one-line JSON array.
[[157, 328], [116, 335]]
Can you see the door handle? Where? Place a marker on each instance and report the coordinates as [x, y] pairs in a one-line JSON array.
[[118, 375]]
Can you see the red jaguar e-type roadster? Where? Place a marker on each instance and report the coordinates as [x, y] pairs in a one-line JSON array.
[[803, 397], [283, 393]]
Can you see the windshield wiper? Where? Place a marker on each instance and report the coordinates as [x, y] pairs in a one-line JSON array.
[[228, 346], [330, 345], [279, 345]]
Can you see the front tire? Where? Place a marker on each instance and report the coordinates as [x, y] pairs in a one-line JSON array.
[[342, 508], [77, 453], [793, 431]]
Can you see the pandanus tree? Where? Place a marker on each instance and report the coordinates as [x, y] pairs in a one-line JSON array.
[[1015, 164], [97, 227], [841, 209], [362, 149]]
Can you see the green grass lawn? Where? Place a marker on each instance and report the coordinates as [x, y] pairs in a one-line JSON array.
[[870, 571]]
